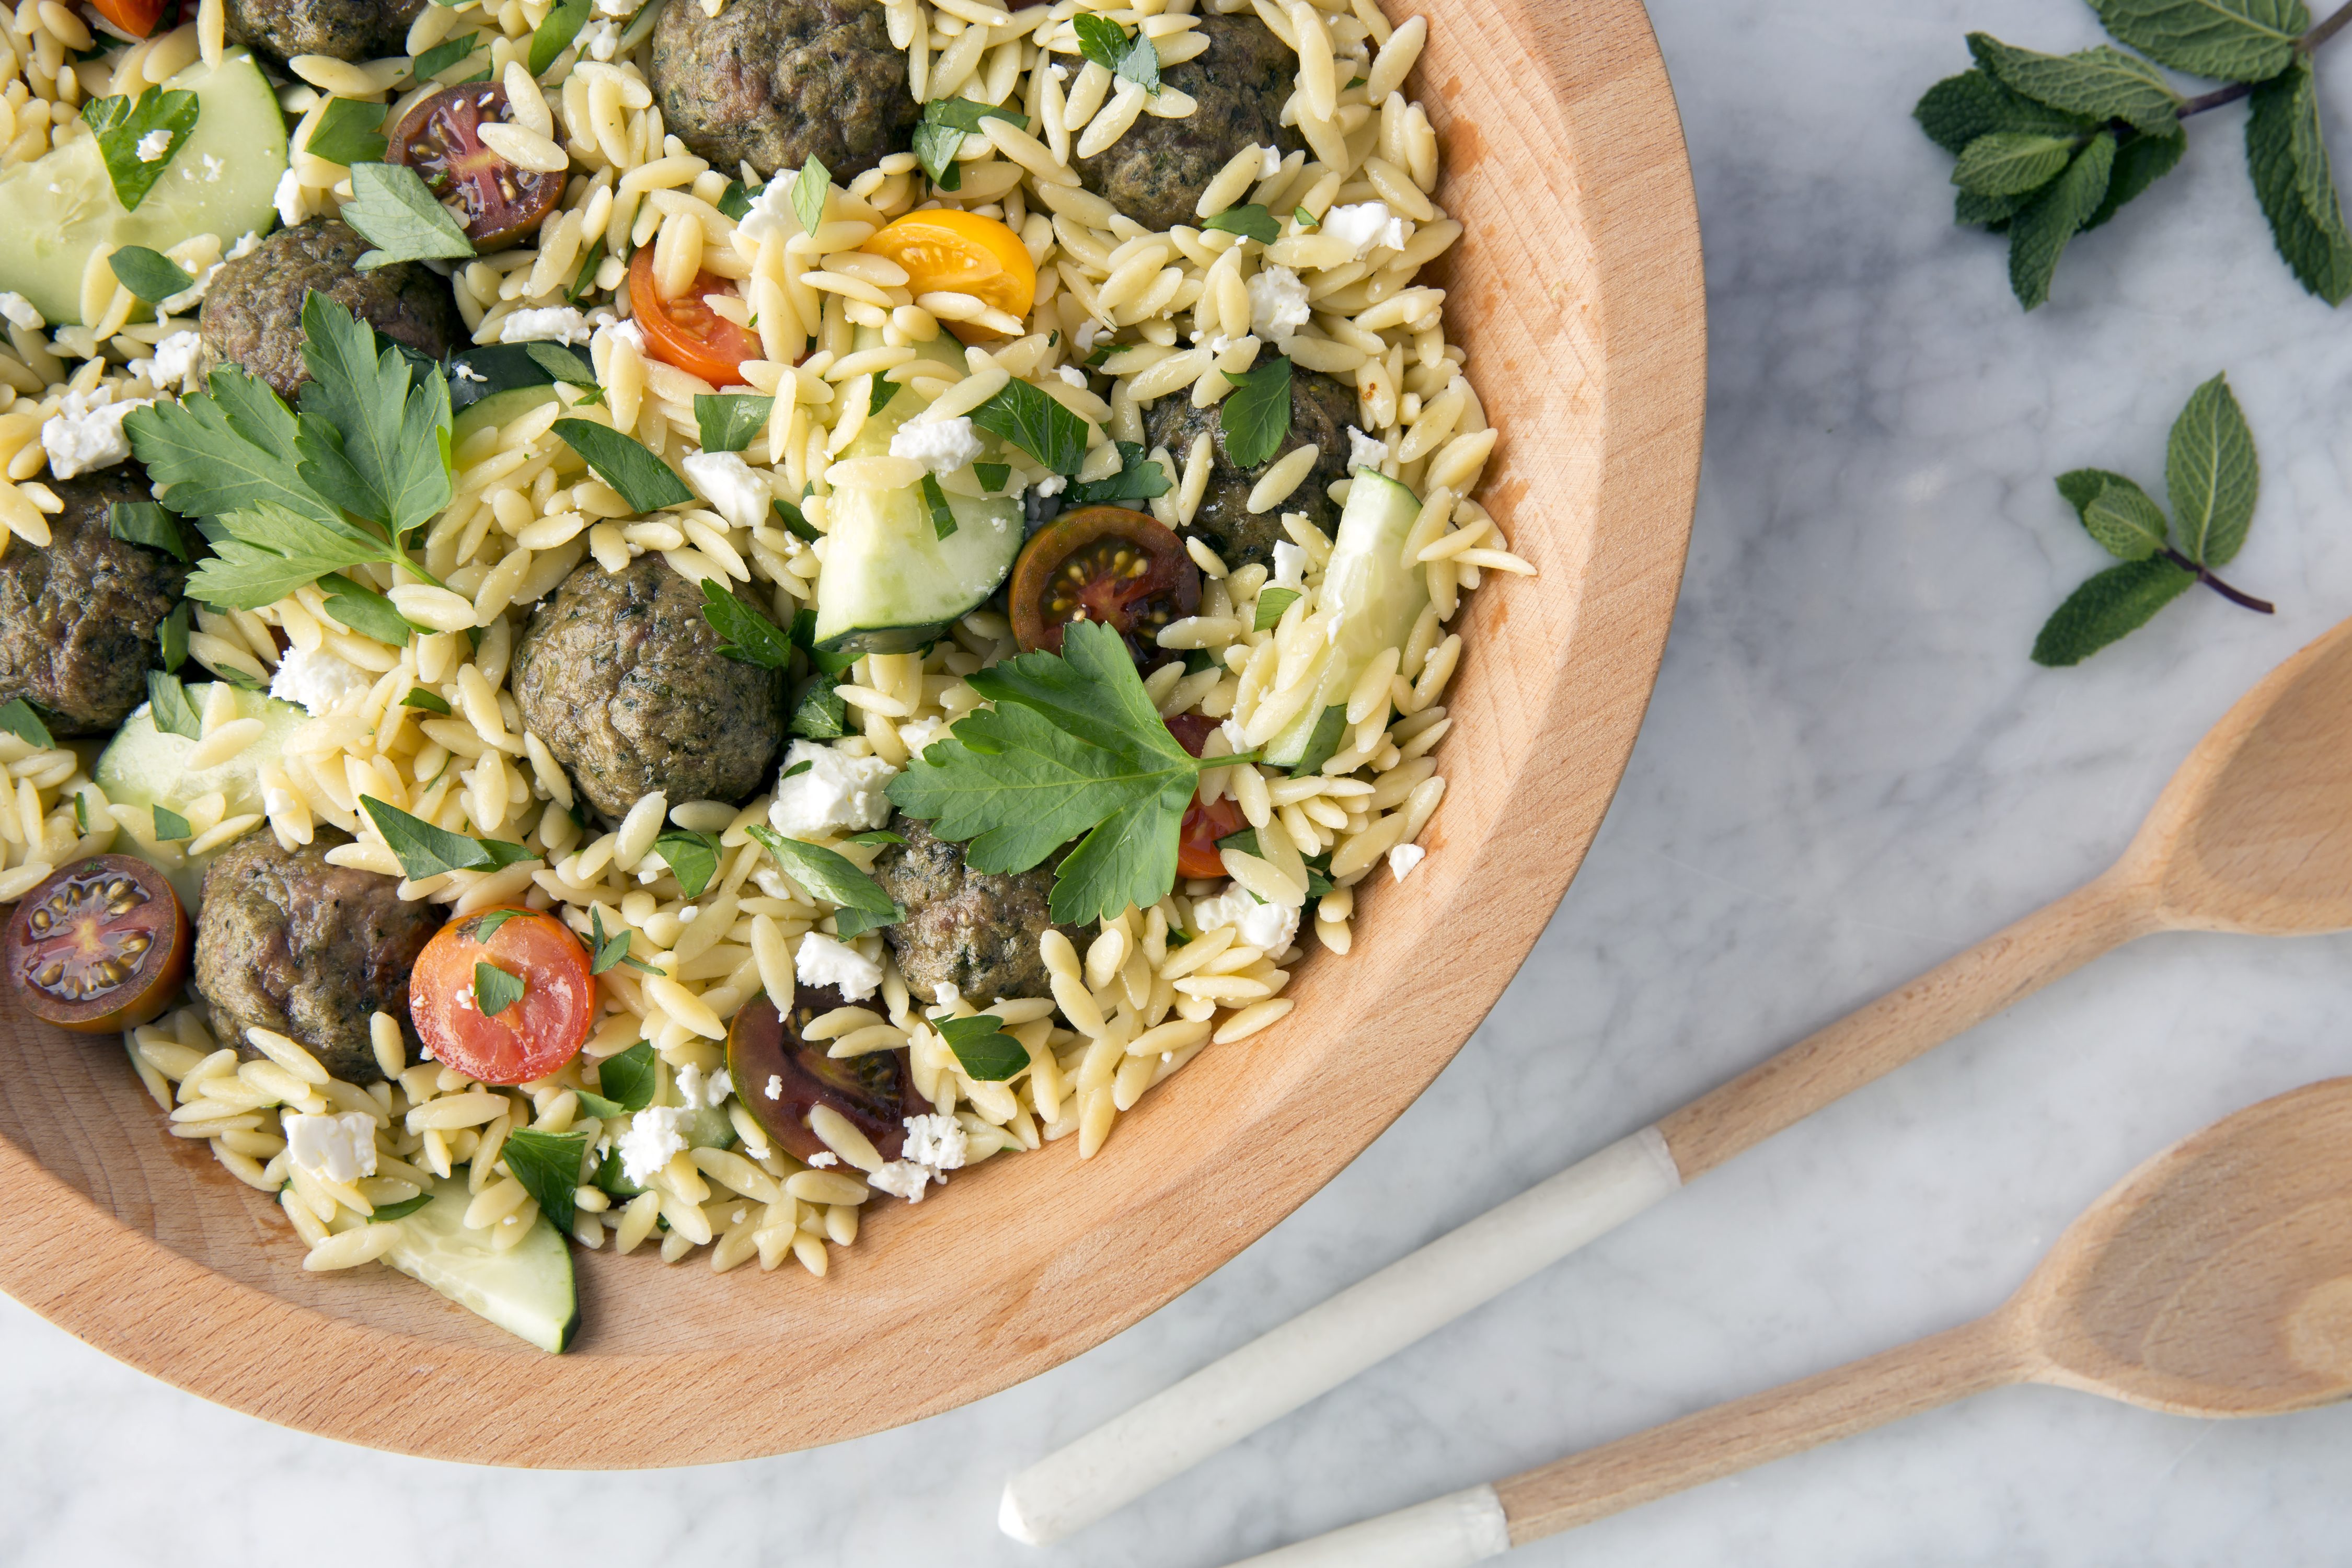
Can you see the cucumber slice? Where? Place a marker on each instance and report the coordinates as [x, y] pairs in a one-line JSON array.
[[1374, 597], [890, 583], [502, 407], [485, 373], [57, 209], [527, 1290], [143, 768]]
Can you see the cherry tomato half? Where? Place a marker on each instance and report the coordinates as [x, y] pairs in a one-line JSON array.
[[102, 945], [530, 1037], [687, 332], [136, 18], [764, 1049], [959, 252], [441, 138], [1106, 564], [1196, 844]]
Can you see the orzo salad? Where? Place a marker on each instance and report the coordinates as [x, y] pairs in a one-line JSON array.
[[643, 625]]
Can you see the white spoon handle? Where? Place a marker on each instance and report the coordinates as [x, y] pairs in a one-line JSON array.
[[1451, 1532], [1328, 1344]]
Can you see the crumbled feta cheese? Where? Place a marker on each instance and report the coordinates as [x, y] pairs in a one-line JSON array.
[[20, 310], [945, 994], [552, 324], [154, 145], [248, 243], [836, 792], [174, 364], [1363, 452], [652, 1140], [900, 1179], [916, 734], [600, 40], [1269, 163], [1072, 375], [1278, 305], [317, 679], [619, 10], [937, 1143], [1367, 225], [1403, 858], [287, 199], [1266, 927], [1086, 334], [628, 332], [1289, 572], [468, 373], [339, 1148], [823, 1158], [734, 490], [823, 960], [693, 1090], [771, 882], [212, 167], [86, 432], [775, 1088], [1052, 485], [940, 446]]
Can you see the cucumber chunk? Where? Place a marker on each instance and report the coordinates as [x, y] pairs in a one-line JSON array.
[[1375, 598], [503, 408], [57, 209], [527, 1290], [144, 768]]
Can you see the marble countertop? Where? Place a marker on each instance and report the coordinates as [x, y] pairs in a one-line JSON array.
[[1851, 771]]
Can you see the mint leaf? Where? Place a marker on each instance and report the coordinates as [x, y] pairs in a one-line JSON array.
[[425, 850], [445, 54], [628, 1079], [495, 990], [596, 1105], [604, 951], [1109, 46], [735, 201], [121, 124], [2237, 40], [2039, 232], [728, 420], [1306, 219], [386, 1213], [171, 639], [2117, 602], [1250, 222], [349, 132], [798, 526], [170, 825], [1255, 417], [1994, 211], [935, 503], [374, 428], [1959, 108], [1139, 479], [2124, 521], [693, 858], [873, 836], [945, 122], [747, 635], [393, 210], [584, 282], [430, 700], [2212, 474], [2098, 84], [819, 711], [993, 476], [1021, 413], [365, 611], [2288, 162], [487, 926], [169, 708], [986, 1053], [811, 187], [17, 717], [2011, 162], [1321, 741], [554, 36], [151, 276], [834, 878], [547, 1166], [145, 522], [964, 114], [645, 482], [1271, 604], [2140, 161]]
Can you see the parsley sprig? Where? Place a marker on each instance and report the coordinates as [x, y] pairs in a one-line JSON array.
[[1072, 748]]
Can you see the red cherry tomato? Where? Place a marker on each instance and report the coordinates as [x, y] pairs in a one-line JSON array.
[[1196, 845], [102, 945], [136, 18], [1110, 565], [687, 332], [441, 138], [530, 1037]]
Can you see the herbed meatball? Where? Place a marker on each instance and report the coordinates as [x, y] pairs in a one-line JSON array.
[[287, 942], [772, 82], [975, 931], [79, 615], [1321, 409], [347, 30], [1155, 174], [620, 675], [253, 313]]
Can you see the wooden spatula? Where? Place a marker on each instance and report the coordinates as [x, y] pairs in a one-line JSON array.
[[2254, 834], [2214, 1280]]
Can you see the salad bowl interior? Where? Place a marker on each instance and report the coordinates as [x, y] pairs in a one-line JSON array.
[[1576, 291]]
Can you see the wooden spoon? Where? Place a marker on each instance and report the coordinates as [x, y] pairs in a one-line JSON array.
[[2254, 834], [2214, 1280]]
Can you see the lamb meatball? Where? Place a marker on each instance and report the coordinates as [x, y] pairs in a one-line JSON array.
[[621, 677], [1321, 409], [78, 617], [253, 313], [975, 932], [1156, 173], [287, 941], [772, 82], [278, 30]]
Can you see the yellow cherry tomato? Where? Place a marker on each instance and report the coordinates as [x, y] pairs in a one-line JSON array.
[[946, 250]]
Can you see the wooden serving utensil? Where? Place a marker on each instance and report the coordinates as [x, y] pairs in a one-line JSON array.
[[2214, 1280], [2253, 833]]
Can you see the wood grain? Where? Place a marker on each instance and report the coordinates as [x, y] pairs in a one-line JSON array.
[[1577, 293]]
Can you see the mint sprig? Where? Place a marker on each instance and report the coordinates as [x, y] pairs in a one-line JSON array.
[[2212, 476]]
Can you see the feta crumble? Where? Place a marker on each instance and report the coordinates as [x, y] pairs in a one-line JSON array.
[[775, 1088], [916, 734], [86, 432], [826, 961], [945, 994], [704, 1093], [1052, 485], [287, 199], [20, 310], [600, 40], [836, 792], [1269, 163], [1289, 572], [317, 679], [940, 446], [468, 373], [652, 1140], [1403, 858], [628, 332], [552, 324], [900, 1179], [1278, 306], [821, 1160], [735, 491], [1363, 452], [1085, 338], [1072, 375], [174, 363], [1367, 225], [213, 169], [936, 1143], [339, 1148], [152, 147], [1266, 927]]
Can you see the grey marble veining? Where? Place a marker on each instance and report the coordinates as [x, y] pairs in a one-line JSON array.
[[1850, 771]]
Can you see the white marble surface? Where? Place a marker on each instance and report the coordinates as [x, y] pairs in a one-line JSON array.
[[1850, 771]]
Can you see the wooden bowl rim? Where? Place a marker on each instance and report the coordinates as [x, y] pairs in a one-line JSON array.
[[489, 1399]]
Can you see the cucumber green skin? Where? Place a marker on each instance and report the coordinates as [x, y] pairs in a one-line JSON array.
[[527, 1290], [46, 239], [142, 768], [497, 408], [1374, 595]]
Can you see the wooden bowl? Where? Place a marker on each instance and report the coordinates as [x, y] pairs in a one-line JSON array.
[[1577, 291]]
